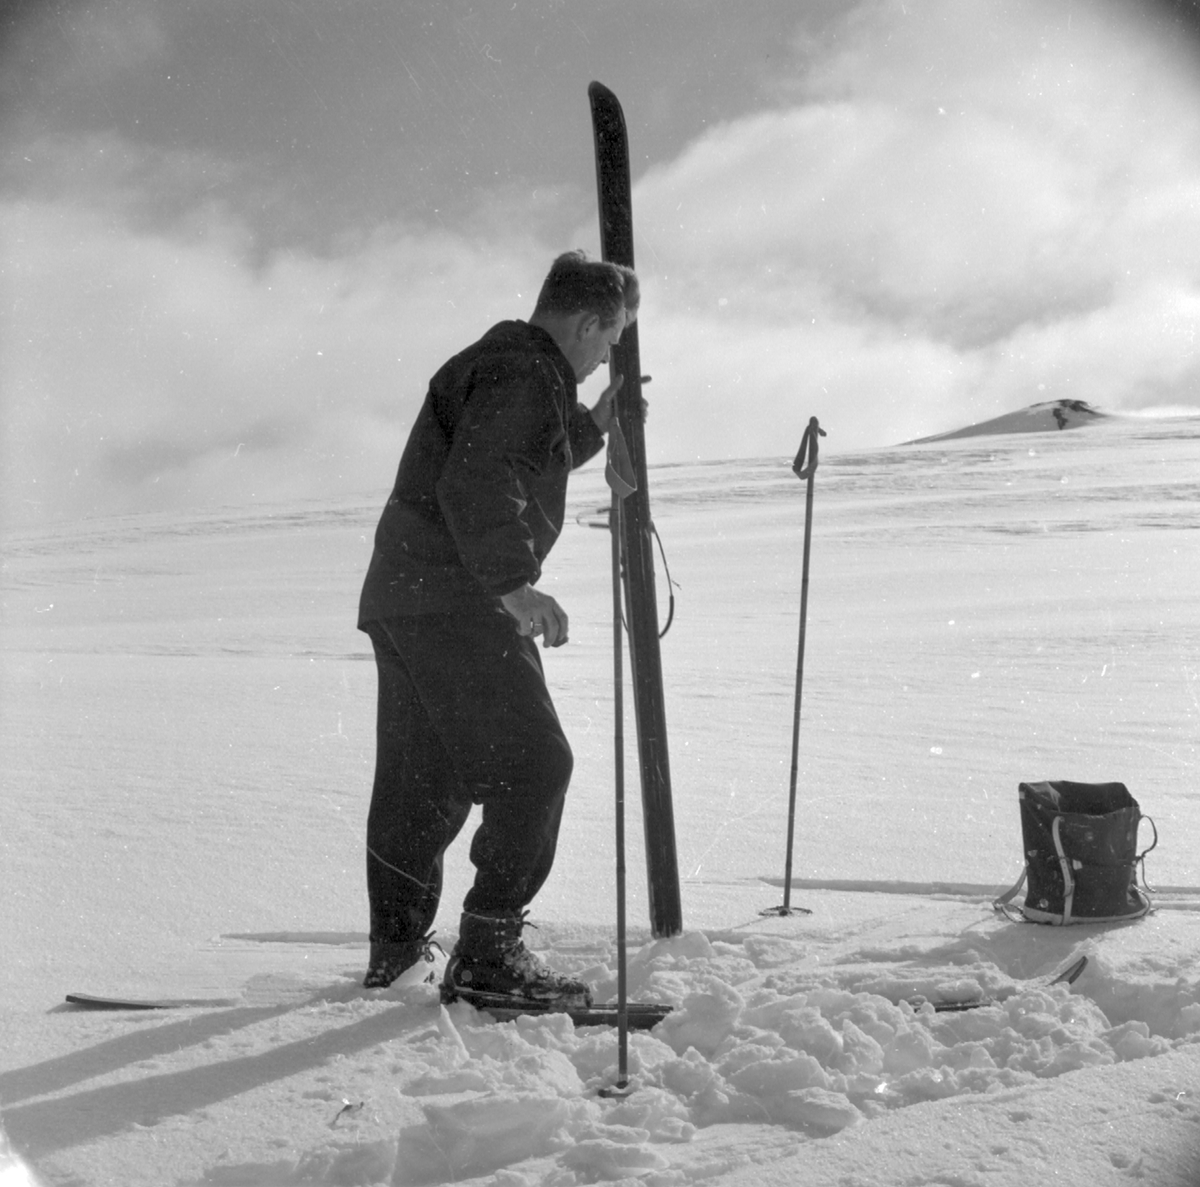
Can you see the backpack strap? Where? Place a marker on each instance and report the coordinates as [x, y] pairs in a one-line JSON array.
[[1141, 857], [1068, 877], [1002, 905]]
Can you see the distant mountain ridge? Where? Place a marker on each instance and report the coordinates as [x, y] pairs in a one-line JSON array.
[[1037, 418]]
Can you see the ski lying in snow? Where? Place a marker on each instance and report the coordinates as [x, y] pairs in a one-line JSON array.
[[639, 1015], [1068, 976], [502, 1007], [91, 1001]]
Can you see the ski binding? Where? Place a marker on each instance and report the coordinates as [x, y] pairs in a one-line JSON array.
[[504, 1008]]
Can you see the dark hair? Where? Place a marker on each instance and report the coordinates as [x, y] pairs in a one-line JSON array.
[[576, 284]]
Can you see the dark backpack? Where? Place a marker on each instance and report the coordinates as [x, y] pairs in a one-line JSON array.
[[1080, 854]]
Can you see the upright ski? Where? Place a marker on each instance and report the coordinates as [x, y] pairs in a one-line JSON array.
[[614, 194]]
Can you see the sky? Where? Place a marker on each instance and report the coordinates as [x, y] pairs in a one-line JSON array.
[[240, 235]]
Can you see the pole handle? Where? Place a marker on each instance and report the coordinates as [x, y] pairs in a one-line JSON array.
[[806, 460]]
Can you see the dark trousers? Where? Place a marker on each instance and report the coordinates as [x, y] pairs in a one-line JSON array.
[[464, 717]]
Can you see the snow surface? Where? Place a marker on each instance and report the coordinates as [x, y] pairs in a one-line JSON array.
[[187, 747]]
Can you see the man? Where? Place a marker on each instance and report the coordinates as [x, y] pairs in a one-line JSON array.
[[451, 605]]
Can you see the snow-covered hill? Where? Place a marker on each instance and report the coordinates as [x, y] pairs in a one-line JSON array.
[[1048, 416]]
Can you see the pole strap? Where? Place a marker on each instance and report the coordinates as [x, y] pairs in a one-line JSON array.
[[618, 468], [806, 460]]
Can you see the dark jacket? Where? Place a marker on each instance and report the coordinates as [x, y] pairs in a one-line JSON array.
[[481, 490]]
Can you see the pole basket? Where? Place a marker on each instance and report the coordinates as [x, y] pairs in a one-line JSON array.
[[786, 911]]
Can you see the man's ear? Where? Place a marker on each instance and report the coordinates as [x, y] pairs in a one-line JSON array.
[[589, 324]]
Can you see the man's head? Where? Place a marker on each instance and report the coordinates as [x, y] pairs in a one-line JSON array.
[[576, 284], [585, 305]]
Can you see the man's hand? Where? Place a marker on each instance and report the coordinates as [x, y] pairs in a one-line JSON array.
[[537, 614], [606, 406]]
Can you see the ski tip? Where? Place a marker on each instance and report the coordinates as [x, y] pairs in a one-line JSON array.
[[1068, 976], [91, 1001], [604, 103], [1071, 973]]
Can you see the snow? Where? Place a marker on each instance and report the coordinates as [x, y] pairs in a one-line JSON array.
[[187, 747]]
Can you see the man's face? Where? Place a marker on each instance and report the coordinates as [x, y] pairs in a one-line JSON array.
[[593, 343]]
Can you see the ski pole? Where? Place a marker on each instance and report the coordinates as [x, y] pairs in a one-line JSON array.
[[805, 468], [619, 757], [620, 477]]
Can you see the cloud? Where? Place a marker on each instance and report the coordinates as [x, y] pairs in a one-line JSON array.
[[964, 210], [151, 367], [66, 45], [113, 37]]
